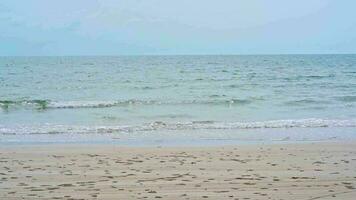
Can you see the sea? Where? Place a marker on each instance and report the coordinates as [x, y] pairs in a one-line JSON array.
[[177, 100]]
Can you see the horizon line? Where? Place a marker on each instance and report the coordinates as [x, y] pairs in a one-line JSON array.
[[117, 55]]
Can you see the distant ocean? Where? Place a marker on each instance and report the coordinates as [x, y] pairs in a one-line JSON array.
[[177, 99]]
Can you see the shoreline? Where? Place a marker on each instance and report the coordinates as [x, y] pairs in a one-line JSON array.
[[188, 138], [318, 170], [168, 145]]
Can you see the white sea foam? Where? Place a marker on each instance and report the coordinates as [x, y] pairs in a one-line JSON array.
[[103, 104], [161, 126], [47, 104]]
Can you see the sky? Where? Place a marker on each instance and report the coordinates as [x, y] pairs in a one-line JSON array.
[[160, 27]]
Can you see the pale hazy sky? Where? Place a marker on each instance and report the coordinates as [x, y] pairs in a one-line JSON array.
[[116, 27]]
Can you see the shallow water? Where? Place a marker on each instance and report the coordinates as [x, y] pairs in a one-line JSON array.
[[146, 95]]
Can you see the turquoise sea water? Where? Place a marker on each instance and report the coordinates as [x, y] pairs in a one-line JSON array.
[[177, 98]]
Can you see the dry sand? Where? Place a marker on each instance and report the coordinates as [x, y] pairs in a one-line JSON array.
[[291, 171]]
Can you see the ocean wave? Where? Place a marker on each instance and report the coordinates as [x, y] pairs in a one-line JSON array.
[[347, 99], [39, 104], [303, 102], [308, 77], [96, 104], [47, 104], [178, 126]]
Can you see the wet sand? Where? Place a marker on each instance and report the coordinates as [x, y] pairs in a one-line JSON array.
[[288, 171]]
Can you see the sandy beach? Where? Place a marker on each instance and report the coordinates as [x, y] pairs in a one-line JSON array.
[[288, 171]]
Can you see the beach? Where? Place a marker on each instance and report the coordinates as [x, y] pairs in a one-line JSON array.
[[177, 100], [320, 170], [188, 127]]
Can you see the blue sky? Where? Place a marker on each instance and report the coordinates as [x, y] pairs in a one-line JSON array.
[[118, 27]]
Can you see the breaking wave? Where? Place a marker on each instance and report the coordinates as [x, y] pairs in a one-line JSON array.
[[162, 126], [47, 104]]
